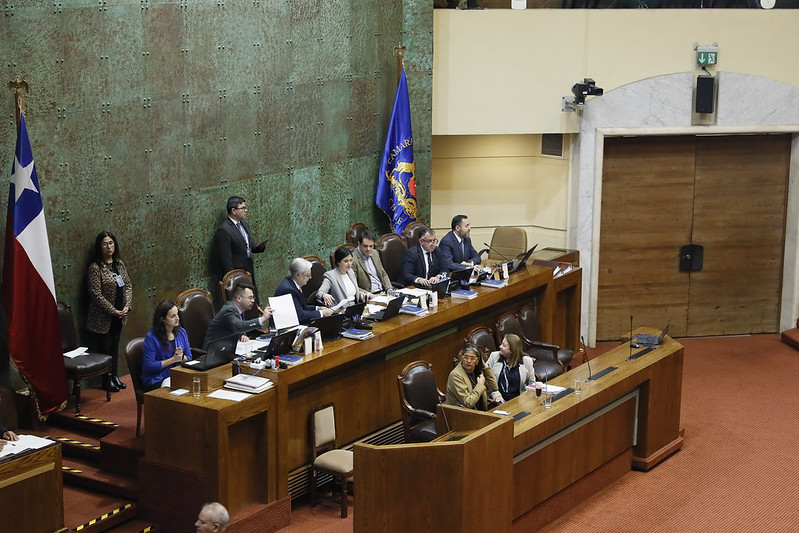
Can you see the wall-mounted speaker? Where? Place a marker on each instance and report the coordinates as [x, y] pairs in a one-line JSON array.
[[705, 93]]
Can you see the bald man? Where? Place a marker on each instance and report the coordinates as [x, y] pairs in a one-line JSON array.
[[213, 518]]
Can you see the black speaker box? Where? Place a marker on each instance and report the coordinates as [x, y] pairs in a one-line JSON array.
[[705, 93]]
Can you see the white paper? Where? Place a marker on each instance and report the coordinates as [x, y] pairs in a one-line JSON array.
[[250, 346], [223, 394], [414, 293], [179, 392], [381, 299], [25, 442], [283, 312], [374, 308], [340, 305], [192, 362], [76, 352]]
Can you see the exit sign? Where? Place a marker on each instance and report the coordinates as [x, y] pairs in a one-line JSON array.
[[707, 55]]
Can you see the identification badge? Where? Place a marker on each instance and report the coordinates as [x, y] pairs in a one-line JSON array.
[[120, 281]]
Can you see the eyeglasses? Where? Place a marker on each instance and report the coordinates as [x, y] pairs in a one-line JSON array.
[[429, 241], [469, 358], [242, 208], [107, 244]]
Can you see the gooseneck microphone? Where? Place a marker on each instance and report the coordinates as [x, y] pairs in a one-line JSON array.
[[587, 360], [495, 250], [631, 336]]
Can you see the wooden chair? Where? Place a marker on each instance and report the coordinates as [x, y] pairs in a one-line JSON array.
[[546, 361], [318, 269], [412, 233], [84, 366], [230, 280], [133, 355], [506, 243], [484, 338], [196, 310], [531, 333], [355, 232], [392, 250], [326, 458], [419, 397]]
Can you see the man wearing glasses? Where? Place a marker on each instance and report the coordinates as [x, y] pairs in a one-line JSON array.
[[233, 243], [423, 265], [229, 322]]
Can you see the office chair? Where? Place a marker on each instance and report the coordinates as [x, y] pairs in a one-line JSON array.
[[355, 232], [133, 355], [83, 366], [349, 245], [326, 458], [391, 248], [419, 398], [412, 233], [531, 332], [506, 243], [196, 310], [318, 269], [484, 338]]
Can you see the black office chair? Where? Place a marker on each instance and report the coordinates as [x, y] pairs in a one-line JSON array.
[[419, 398]]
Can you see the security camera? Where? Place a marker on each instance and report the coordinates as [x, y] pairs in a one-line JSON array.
[[585, 88]]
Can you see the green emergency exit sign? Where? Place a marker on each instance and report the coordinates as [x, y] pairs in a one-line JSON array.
[[707, 55]]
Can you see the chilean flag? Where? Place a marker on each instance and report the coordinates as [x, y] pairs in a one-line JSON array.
[[34, 334]]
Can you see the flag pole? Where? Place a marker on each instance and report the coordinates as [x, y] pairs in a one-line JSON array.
[[17, 86], [399, 52]]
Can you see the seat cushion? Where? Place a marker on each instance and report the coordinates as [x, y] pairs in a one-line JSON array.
[[547, 369], [424, 431], [338, 461], [84, 365]]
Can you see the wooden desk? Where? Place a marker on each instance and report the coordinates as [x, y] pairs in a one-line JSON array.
[[31, 491], [229, 447], [360, 376], [635, 407]]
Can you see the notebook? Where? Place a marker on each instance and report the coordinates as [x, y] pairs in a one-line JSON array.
[[652, 340]]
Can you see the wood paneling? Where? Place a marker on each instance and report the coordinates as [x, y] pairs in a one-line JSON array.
[[727, 193], [31, 491]]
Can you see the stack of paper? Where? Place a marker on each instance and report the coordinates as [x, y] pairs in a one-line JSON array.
[[248, 383], [413, 310], [494, 283], [357, 334]]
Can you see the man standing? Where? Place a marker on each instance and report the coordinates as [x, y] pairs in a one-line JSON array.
[[366, 264], [233, 243], [213, 518], [229, 322], [423, 265], [456, 246]]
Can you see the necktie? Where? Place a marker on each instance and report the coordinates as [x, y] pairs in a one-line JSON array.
[[429, 263], [244, 236]]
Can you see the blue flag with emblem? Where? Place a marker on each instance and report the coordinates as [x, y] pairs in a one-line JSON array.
[[396, 183]]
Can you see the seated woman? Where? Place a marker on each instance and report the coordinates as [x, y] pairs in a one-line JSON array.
[[513, 370], [339, 283], [470, 382], [165, 345]]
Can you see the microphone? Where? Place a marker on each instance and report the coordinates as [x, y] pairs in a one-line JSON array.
[[495, 250], [631, 337], [444, 413], [587, 360]]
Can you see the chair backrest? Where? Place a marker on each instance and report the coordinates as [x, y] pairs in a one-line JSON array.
[[355, 232], [484, 338], [528, 318], [508, 323], [348, 245], [69, 339], [323, 428], [417, 386], [318, 269], [508, 241], [196, 310], [392, 249], [133, 355], [230, 280], [412, 233]]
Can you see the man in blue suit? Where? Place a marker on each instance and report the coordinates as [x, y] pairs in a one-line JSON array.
[[423, 265], [456, 246], [299, 274]]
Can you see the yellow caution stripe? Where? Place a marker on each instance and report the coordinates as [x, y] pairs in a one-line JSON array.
[[96, 421], [74, 442], [106, 516], [69, 470]]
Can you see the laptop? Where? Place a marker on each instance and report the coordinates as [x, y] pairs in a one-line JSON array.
[[219, 353], [391, 310], [652, 340], [354, 310], [459, 279], [520, 263], [329, 326], [279, 345]]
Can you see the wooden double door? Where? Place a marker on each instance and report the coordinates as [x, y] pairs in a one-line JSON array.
[[727, 194]]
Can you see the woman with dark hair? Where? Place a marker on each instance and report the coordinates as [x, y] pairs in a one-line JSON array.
[[513, 369], [165, 345], [470, 382], [339, 282], [110, 294]]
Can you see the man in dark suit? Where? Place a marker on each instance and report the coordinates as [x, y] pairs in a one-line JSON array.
[[456, 246], [423, 265], [229, 322], [299, 274], [233, 243]]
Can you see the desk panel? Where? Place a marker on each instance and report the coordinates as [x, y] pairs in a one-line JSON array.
[[31, 491]]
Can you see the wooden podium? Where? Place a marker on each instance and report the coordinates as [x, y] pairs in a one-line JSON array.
[[442, 485]]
